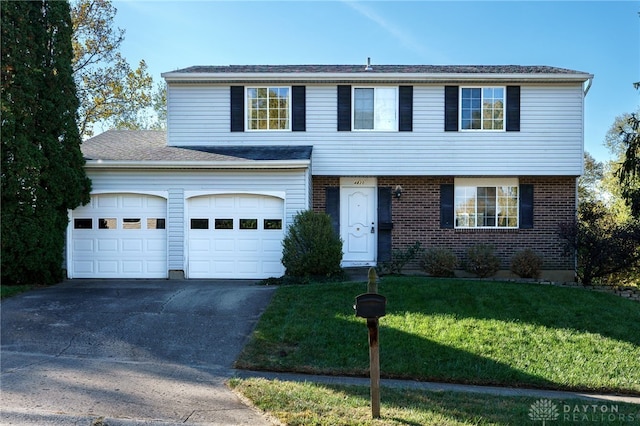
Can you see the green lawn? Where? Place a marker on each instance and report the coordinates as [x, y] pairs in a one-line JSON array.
[[297, 404], [464, 331]]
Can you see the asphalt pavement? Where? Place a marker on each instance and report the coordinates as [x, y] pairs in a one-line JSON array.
[[113, 352]]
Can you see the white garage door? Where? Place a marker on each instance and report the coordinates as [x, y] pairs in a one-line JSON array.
[[235, 236], [120, 236]]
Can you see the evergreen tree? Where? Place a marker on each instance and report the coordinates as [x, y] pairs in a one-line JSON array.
[[42, 166]]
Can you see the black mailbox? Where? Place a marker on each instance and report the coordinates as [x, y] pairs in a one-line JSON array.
[[370, 305]]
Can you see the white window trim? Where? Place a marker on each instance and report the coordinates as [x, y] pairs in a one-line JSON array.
[[504, 121], [487, 182], [246, 108], [353, 108]]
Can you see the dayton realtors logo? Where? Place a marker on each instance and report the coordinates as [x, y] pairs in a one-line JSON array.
[[545, 410]]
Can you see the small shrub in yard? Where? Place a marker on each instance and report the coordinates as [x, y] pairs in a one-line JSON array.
[[482, 260], [526, 264], [311, 247], [400, 258], [439, 262]]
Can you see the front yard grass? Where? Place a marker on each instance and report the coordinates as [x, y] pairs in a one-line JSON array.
[[452, 330], [297, 404]]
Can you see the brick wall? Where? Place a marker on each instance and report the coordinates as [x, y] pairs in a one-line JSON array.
[[416, 217]]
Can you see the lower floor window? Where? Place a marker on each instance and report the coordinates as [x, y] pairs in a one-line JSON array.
[[486, 203]]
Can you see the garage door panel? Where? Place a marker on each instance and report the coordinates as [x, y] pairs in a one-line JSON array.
[[104, 245], [132, 202], [107, 266], [132, 266], [223, 202], [225, 245], [156, 267], [106, 202], [84, 245], [247, 267], [248, 245], [120, 236], [158, 245], [84, 267], [200, 269], [132, 245], [272, 245]]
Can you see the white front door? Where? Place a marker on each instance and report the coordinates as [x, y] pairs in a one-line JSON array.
[[358, 221]]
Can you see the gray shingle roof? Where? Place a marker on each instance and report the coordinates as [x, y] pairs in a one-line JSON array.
[[380, 69], [150, 145]]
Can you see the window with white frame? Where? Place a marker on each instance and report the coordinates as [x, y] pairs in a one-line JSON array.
[[375, 108], [486, 203], [268, 108], [482, 108]]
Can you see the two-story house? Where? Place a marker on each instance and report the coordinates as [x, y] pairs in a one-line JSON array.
[[450, 156]]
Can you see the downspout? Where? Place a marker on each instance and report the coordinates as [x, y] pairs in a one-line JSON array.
[[586, 90], [577, 206]]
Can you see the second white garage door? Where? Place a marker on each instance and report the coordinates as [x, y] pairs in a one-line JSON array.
[[235, 236]]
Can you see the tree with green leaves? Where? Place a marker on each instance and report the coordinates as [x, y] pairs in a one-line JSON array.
[[111, 92], [42, 167], [629, 171]]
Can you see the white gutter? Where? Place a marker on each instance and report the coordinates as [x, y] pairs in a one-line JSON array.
[[138, 164], [212, 77]]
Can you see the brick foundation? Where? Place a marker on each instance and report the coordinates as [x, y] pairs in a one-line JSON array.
[[416, 217]]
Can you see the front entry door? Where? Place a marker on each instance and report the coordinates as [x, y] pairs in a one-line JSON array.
[[358, 222]]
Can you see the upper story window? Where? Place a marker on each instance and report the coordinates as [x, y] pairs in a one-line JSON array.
[[383, 108], [268, 108], [375, 108], [486, 203], [482, 108]]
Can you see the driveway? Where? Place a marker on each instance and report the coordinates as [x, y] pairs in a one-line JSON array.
[[127, 352]]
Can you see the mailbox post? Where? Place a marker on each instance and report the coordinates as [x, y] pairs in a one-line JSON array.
[[372, 306]]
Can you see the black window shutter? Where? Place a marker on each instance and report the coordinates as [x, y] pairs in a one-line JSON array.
[[526, 206], [385, 225], [405, 112], [450, 108], [237, 108], [332, 206], [344, 108], [513, 109], [446, 206], [298, 109]]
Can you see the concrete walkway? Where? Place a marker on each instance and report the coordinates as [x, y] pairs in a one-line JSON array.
[[147, 352]]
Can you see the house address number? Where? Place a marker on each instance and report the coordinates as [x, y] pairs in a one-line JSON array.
[[359, 182]]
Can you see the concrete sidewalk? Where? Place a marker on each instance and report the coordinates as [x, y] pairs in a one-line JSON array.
[[442, 387]]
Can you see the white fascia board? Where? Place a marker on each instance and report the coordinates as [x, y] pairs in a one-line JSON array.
[[176, 77], [270, 164]]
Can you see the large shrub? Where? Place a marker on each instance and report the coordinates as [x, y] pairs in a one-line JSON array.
[[482, 260], [526, 264], [439, 262], [311, 246], [608, 252]]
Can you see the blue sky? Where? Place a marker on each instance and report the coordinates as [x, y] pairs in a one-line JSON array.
[[598, 37]]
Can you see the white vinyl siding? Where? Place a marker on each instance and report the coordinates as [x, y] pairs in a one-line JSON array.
[[550, 140]]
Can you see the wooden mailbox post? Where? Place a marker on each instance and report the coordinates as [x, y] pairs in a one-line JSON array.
[[372, 306]]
